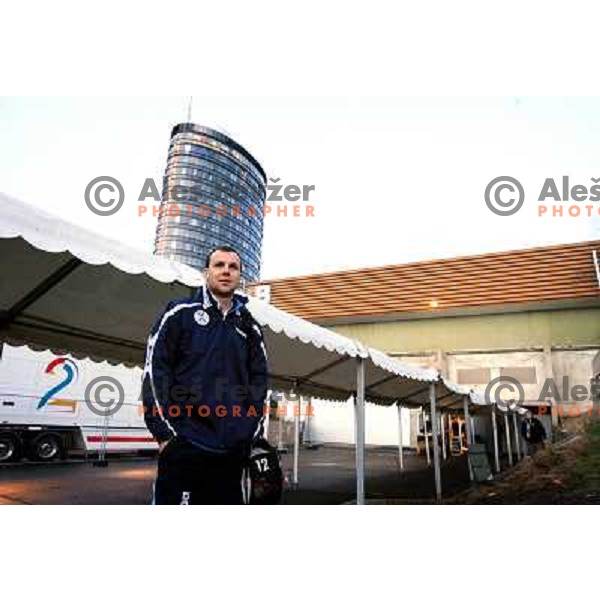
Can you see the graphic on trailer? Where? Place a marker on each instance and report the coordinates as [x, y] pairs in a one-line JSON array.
[[70, 372]]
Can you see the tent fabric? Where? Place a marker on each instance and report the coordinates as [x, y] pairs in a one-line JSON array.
[[70, 290], [320, 372], [401, 369], [51, 234]]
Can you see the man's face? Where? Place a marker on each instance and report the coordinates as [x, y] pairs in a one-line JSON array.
[[223, 273]]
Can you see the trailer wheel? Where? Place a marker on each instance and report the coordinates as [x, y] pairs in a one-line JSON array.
[[10, 447], [45, 447]]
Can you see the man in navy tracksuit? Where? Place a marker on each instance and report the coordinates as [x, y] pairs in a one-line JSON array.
[[204, 388]]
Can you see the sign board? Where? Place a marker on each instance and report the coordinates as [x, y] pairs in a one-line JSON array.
[[479, 463]]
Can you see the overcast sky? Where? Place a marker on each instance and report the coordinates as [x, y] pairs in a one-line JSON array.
[[397, 180]]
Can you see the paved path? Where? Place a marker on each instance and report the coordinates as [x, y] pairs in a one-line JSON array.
[[327, 476]]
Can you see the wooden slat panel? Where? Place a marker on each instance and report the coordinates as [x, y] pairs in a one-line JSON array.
[[542, 274]]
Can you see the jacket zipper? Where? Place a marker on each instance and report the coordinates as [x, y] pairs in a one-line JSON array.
[[222, 422]]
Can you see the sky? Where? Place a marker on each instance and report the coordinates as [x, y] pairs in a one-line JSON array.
[[396, 179]]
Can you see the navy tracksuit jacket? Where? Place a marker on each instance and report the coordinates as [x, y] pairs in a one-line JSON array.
[[205, 374]]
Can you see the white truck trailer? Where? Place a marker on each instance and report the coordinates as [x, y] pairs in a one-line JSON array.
[[44, 415]]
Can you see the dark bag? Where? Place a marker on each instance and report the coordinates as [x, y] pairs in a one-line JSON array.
[[263, 474]]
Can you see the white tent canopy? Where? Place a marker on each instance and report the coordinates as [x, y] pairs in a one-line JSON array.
[[69, 290]]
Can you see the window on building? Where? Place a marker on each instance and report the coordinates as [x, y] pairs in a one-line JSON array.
[[480, 376], [523, 375]]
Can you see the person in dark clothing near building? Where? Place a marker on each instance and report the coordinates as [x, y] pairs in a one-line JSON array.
[[204, 389], [533, 432]]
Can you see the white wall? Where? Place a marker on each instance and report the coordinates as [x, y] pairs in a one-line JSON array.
[[333, 422]]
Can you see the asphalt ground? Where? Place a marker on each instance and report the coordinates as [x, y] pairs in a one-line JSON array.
[[326, 476]]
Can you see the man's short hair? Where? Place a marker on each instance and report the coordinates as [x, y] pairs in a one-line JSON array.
[[222, 249]]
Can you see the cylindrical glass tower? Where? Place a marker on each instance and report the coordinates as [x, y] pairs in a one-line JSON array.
[[213, 194]]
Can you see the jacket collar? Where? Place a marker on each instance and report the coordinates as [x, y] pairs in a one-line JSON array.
[[204, 295]]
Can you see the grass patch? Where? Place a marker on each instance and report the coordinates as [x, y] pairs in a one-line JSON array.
[[585, 473]]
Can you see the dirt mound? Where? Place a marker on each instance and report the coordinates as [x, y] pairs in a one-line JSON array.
[[564, 473]]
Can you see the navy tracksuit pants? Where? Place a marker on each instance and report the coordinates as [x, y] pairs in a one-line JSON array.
[[187, 475]]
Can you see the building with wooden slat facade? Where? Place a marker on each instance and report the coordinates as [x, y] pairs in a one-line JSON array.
[[532, 314]]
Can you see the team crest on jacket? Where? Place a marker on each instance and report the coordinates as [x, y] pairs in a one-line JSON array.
[[201, 317]]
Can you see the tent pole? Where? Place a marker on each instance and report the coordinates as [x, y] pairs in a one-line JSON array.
[[359, 408], [436, 444], [354, 418], [470, 436], [444, 455], [268, 414], [297, 409], [508, 444], [495, 431], [469, 433], [517, 441], [426, 437], [400, 444], [280, 407], [307, 433]]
